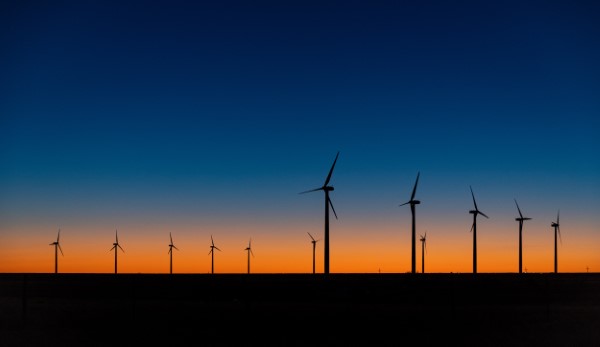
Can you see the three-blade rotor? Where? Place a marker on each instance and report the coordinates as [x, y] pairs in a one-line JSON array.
[[476, 211], [325, 186], [57, 243], [213, 247], [249, 248], [116, 244], [171, 245], [414, 191], [521, 218]]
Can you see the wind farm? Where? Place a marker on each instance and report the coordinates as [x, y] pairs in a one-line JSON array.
[[233, 126]]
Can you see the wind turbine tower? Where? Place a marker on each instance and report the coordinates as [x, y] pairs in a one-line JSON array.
[[56, 245], [423, 250], [314, 245], [475, 212], [116, 247], [412, 203], [328, 203], [212, 253], [520, 219], [556, 226], [249, 250], [171, 246]]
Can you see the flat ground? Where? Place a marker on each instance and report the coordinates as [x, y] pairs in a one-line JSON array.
[[300, 309]]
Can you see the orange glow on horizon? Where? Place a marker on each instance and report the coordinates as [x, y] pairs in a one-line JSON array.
[[351, 250]]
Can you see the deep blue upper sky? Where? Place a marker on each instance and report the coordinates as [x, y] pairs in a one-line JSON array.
[[142, 105]]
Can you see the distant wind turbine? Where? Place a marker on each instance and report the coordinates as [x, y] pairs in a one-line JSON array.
[[314, 244], [423, 250], [171, 246], [521, 219], [556, 226], [475, 212], [115, 247], [212, 253], [328, 203], [56, 245], [249, 250], [412, 203]]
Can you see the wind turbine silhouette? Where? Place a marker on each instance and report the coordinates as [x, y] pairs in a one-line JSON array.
[[171, 246], [556, 226], [412, 203], [212, 253], [314, 243], [56, 245], [115, 246], [249, 250], [423, 250], [475, 212], [521, 219], [328, 203]]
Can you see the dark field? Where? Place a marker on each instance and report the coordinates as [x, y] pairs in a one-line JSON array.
[[300, 310]]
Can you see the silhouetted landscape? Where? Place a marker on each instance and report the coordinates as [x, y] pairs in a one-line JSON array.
[[300, 309]]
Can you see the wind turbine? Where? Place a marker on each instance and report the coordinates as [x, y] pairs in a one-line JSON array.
[[412, 203], [249, 249], [475, 212], [556, 226], [423, 250], [521, 219], [115, 246], [328, 203], [171, 246], [212, 253], [56, 245], [314, 244]]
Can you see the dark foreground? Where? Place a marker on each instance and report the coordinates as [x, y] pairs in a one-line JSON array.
[[300, 310]]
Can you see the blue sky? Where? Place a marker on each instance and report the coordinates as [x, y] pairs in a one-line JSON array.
[[171, 110]]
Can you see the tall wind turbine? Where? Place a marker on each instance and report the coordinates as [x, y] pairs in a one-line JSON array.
[[116, 245], [556, 226], [56, 245], [521, 219], [412, 203], [328, 203], [212, 253], [249, 250], [314, 243], [171, 246], [475, 212], [423, 250]]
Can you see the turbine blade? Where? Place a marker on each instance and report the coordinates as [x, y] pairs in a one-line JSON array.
[[333, 209], [406, 203], [520, 214], [112, 248], [472, 227], [116, 236], [412, 197], [171, 237], [211, 250], [175, 247], [170, 249], [473, 195], [211, 240], [331, 170], [58, 237], [559, 237], [312, 238], [121, 247], [217, 248], [312, 190], [558, 217], [251, 252], [61, 252], [483, 214]]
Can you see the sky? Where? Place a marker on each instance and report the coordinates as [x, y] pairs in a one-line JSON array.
[[208, 118]]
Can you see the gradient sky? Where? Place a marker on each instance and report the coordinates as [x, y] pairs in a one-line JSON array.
[[209, 118]]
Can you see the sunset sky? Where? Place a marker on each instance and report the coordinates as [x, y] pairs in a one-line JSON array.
[[208, 118]]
